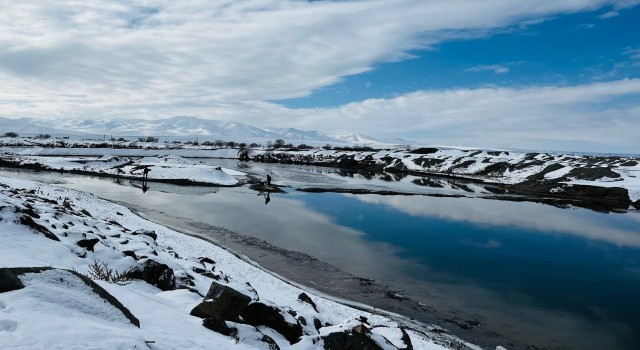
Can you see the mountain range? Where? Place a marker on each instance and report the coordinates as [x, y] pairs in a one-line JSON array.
[[178, 127]]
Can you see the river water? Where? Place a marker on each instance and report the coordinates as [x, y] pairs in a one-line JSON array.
[[521, 272]]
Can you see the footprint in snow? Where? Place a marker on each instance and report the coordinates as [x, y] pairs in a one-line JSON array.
[[8, 325]]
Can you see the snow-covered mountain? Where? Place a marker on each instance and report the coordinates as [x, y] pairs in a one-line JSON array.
[[177, 126], [183, 127], [368, 140], [357, 138], [24, 127]]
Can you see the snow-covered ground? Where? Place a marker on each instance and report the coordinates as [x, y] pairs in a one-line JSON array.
[[46, 225], [506, 167], [173, 168], [491, 166]]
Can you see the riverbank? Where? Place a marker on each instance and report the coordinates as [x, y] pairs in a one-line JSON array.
[[603, 183], [46, 225], [599, 182]]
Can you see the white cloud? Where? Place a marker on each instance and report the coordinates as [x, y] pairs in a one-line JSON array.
[[609, 14], [497, 69], [224, 59], [598, 116]]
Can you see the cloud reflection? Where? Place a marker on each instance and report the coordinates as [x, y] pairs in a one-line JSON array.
[[610, 228]]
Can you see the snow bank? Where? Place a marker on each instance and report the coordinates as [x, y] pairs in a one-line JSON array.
[[163, 168]]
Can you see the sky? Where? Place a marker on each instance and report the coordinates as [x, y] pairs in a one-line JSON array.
[[551, 75]]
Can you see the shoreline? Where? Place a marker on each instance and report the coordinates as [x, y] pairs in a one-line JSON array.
[[529, 192], [526, 175], [324, 279], [161, 244]]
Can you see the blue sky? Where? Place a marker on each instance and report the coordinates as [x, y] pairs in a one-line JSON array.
[[546, 74], [560, 50]]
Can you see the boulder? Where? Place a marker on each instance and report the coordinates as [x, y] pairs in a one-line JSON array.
[[28, 221], [222, 302], [303, 297], [148, 233], [259, 314], [356, 339], [219, 326], [130, 253], [88, 244], [204, 259], [157, 274], [406, 339]]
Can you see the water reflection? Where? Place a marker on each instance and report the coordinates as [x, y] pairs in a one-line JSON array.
[[266, 196], [144, 185], [614, 228]]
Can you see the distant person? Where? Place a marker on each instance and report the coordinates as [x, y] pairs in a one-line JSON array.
[[145, 173], [268, 180]]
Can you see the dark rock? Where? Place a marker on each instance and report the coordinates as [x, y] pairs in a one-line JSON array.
[[184, 281], [28, 221], [149, 233], [259, 314], [428, 162], [406, 339], [495, 169], [88, 244], [591, 173], [9, 281], [131, 254], [220, 326], [317, 324], [593, 197], [157, 274], [550, 168], [29, 211], [362, 329], [303, 297], [222, 302], [424, 150], [204, 259], [350, 341], [199, 270], [113, 222], [85, 212]]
